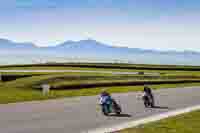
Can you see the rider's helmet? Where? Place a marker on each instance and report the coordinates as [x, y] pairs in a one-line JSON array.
[[147, 89], [104, 92]]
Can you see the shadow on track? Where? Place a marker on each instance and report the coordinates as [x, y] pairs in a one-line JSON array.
[[160, 107], [120, 115]]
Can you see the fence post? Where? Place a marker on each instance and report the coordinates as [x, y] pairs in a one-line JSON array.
[[0, 77], [45, 89]]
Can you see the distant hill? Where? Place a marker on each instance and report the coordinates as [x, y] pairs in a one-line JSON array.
[[7, 44], [92, 50]]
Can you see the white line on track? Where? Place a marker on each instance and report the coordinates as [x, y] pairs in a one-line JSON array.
[[141, 121]]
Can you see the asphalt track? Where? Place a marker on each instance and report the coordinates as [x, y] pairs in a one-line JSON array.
[[82, 114]]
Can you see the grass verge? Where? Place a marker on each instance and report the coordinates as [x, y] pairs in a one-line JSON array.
[[162, 71], [10, 95], [187, 123]]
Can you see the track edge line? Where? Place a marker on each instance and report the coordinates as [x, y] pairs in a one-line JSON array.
[[146, 120]]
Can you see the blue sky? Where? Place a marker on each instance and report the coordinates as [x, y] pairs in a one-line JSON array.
[[151, 24]]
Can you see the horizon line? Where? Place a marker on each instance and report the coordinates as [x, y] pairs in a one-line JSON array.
[[100, 42]]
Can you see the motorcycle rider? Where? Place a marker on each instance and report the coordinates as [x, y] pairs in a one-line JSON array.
[[148, 93], [108, 103], [105, 100]]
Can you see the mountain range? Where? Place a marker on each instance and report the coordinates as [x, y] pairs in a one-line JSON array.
[[90, 50]]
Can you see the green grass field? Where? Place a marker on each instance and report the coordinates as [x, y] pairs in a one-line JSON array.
[[110, 65], [26, 88], [180, 70], [12, 94], [187, 123]]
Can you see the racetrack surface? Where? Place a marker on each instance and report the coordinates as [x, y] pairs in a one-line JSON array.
[[82, 114]]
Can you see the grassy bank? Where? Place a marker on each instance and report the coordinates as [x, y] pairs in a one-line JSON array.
[[115, 69], [112, 65], [15, 94], [70, 84], [187, 123], [83, 80]]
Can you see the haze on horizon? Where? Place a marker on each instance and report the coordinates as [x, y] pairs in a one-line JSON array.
[[152, 24]]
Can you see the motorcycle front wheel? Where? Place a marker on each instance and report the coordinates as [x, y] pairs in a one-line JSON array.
[[104, 110]]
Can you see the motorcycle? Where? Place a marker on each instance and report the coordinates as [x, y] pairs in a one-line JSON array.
[[148, 101], [111, 107]]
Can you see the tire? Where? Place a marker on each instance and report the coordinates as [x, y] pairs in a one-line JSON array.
[[151, 101], [152, 104], [118, 110], [116, 107], [104, 111], [146, 102], [106, 114]]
